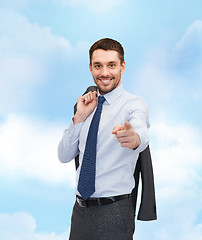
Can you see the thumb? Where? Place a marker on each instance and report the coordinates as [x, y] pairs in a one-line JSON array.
[[128, 125], [95, 95]]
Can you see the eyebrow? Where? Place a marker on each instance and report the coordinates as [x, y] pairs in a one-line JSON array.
[[100, 63], [96, 63]]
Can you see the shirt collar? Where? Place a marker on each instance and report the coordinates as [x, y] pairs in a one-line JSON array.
[[113, 95]]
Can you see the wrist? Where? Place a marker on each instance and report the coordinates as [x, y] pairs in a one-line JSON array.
[[78, 118], [137, 141]]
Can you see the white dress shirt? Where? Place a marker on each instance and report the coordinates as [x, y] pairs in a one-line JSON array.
[[115, 165]]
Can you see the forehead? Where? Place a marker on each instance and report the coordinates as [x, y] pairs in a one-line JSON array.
[[100, 55]]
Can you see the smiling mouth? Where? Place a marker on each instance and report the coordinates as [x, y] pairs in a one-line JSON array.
[[105, 80]]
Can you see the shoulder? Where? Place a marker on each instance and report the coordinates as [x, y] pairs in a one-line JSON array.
[[134, 101], [91, 88]]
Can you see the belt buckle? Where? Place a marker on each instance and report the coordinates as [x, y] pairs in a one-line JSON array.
[[99, 202], [82, 203]]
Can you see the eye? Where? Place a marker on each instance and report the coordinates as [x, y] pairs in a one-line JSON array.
[[112, 65], [97, 66]]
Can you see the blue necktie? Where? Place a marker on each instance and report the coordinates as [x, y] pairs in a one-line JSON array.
[[86, 185]]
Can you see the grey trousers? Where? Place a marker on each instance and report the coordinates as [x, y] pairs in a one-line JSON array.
[[114, 221]]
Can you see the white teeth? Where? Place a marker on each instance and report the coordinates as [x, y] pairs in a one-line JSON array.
[[107, 80]]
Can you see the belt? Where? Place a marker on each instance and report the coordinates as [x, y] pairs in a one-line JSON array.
[[90, 202]]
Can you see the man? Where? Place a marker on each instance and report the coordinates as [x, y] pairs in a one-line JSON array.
[[108, 131]]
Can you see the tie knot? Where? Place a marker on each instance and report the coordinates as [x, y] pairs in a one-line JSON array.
[[101, 99]]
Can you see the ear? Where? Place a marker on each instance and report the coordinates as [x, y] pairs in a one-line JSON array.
[[123, 67], [90, 67]]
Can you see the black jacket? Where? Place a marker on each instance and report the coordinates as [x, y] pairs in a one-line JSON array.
[[147, 209]]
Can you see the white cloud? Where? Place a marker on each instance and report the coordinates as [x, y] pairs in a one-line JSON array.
[[171, 73], [152, 78], [22, 226], [187, 54], [171, 79], [17, 5], [177, 162], [91, 5], [191, 37], [94, 6], [19, 75], [28, 55], [29, 149], [177, 152], [18, 35]]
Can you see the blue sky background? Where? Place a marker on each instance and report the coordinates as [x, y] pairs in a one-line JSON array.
[[44, 69]]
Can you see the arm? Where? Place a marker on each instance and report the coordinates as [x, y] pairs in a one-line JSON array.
[[134, 133], [68, 146]]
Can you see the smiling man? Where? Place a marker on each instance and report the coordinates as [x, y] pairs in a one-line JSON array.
[[108, 131]]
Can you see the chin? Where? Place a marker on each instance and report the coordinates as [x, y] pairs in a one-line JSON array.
[[105, 90]]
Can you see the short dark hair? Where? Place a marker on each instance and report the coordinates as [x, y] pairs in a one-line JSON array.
[[107, 44]]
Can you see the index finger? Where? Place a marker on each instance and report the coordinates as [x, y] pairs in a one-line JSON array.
[[94, 95], [117, 128]]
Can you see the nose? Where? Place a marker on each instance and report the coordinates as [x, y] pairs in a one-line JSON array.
[[105, 71]]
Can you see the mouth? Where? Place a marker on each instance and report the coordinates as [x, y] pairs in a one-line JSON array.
[[105, 81]]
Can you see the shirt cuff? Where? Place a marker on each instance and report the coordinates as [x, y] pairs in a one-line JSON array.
[[144, 140]]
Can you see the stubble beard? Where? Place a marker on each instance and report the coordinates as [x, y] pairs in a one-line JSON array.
[[103, 90]]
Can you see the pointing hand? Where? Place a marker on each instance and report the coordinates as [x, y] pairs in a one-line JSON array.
[[126, 135]]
